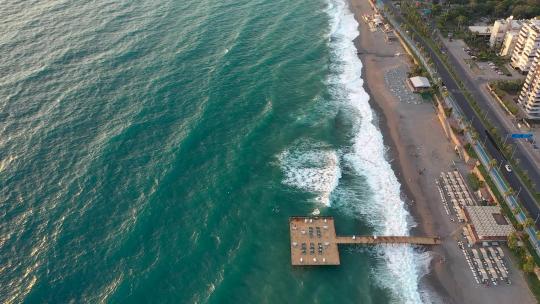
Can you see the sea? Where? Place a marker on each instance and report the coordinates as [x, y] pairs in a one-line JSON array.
[[152, 151]]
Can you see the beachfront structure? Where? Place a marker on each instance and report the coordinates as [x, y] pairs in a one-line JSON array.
[[486, 223], [389, 33], [484, 195], [482, 31], [527, 44], [500, 28], [529, 97], [418, 83], [314, 241]]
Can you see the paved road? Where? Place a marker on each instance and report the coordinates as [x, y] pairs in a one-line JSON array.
[[525, 197], [477, 85], [486, 103]]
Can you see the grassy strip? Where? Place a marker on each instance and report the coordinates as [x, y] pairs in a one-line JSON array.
[[500, 94], [471, 151]]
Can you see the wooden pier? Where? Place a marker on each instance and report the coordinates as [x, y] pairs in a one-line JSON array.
[[314, 241], [413, 240]]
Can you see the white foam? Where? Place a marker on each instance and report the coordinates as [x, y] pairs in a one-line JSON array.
[[385, 210], [311, 167]]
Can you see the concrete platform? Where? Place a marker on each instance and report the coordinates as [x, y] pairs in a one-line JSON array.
[[313, 241]]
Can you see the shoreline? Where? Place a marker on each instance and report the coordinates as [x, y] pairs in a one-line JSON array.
[[421, 227], [419, 151], [388, 124]]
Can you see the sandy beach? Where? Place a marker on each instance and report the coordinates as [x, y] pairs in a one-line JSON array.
[[420, 152]]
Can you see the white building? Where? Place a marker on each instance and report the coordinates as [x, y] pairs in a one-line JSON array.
[[529, 97], [526, 46], [509, 43], [419, 83], [501, 27]]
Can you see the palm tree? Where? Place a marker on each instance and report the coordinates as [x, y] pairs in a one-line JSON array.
[[528, 266], [516, 210], [529, 222], [492, 163], [474, 136], [512, 240], [509, 192], [461, 20]]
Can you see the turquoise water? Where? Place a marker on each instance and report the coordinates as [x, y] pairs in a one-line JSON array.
[[152, 151]]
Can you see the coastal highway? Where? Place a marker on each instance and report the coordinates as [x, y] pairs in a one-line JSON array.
[[526, 198]]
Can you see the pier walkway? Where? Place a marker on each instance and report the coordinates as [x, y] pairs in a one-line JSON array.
[[413, 240], [314, 241]]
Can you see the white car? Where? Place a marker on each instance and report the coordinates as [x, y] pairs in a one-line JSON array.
[[507, 167]]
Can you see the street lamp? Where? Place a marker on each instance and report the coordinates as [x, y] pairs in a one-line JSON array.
[[512, 156], [506, 139]]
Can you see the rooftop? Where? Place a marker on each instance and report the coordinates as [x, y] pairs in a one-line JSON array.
[[419, 82], [481, 29], [488, 221]]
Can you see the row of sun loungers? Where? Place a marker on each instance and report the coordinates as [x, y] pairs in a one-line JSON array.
[[486, 264], [454, 193], [320, 248]]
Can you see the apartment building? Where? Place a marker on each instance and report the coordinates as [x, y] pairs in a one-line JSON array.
[[501, 28], [509, 43], [526, 46], [529, 97]]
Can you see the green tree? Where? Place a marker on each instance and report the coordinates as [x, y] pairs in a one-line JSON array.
[[436, 9], [529, 222], [512, 240], [461, 21], [474, 181], [529, 265], [474, 136], [523, 11], [492, 163], [509, 192], [501, 9]]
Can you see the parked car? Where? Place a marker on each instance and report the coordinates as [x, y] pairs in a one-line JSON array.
[[508, 168]]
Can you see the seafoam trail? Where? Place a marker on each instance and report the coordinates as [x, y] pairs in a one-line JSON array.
[[386, 210]]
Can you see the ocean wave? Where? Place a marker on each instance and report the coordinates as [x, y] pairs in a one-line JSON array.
[[311, 167], [367, 157]]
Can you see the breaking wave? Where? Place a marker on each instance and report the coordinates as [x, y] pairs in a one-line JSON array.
[[311, 167], [367, 157]]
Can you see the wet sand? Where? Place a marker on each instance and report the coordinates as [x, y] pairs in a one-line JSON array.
[[420, 152]]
